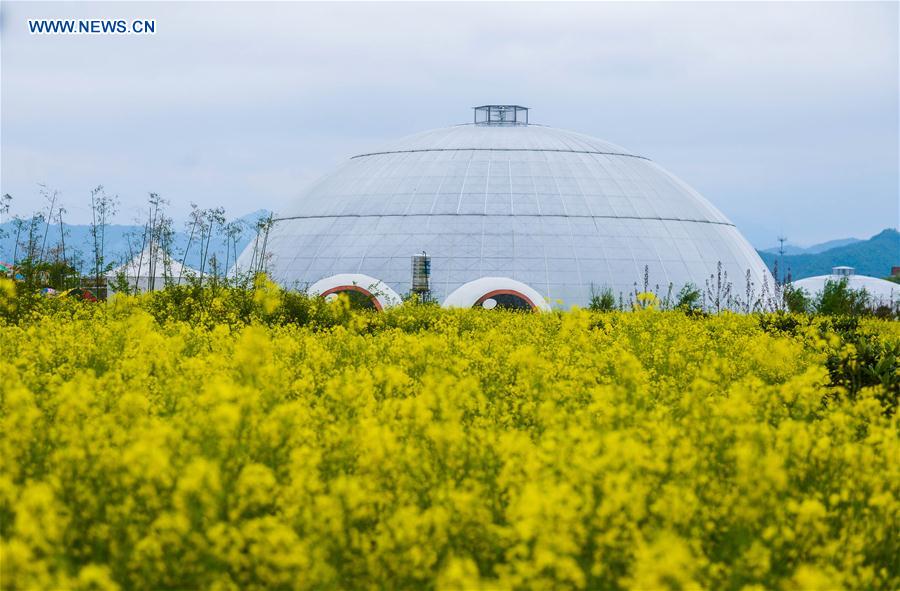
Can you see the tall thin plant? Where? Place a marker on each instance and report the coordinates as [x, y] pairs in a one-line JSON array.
[[103, 208]]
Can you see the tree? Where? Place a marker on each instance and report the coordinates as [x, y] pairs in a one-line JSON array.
[[233, 232], [838, 299], [103, 208], [195, 220], [60, 211], [51, 198], [689, 298], [211, 219], [5, 205], [26, 245], [157, 230], [120, 284], [31, 239], [258, 256], [19, 225], [165, 235], [602, 301], [797, 300]]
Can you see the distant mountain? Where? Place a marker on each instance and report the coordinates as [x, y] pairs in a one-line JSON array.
[[793, 249], [874, 256], [817, 248], [117, 249], [251, 218]]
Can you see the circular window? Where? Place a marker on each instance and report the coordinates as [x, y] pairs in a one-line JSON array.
[[488, 304], [359, 297], [504, 300]]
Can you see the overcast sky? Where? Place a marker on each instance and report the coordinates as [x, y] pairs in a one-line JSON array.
[[784, 115]]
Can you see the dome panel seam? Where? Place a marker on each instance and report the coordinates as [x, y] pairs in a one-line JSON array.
[[501, 150], [495, 215]]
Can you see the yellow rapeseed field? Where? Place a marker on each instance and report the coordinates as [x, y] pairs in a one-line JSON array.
[[214, 442]]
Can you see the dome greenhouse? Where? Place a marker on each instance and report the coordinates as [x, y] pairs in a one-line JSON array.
[[505, 202]]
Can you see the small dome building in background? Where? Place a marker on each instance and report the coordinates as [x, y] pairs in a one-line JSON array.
[[505, 207], [880, 291]]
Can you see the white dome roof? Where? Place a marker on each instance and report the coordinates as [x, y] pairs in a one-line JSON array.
[[881, 291], [560, 211], [498, 137]]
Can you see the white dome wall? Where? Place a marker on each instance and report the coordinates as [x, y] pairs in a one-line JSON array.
[[880, 291]]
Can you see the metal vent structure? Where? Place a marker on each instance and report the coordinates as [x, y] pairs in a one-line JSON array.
[[421, 273], [501, 115]]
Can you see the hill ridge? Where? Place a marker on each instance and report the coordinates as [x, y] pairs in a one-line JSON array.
[[873, 257]]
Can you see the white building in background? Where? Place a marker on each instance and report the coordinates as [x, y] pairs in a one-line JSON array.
[[152, 269], [500, 202], [881, 292]]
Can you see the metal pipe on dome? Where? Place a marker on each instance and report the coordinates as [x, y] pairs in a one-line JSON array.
[[421, 275]]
